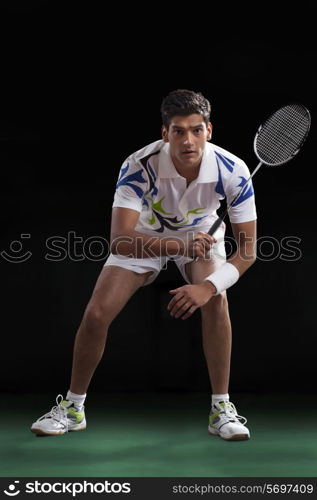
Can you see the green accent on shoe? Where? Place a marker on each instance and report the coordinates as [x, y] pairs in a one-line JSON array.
[[78, 416], [213, 416], [64, 403]]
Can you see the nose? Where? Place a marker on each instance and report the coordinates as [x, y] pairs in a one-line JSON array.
[[188, 139]]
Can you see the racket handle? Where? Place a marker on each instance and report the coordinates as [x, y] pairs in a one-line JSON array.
[[215, 225]]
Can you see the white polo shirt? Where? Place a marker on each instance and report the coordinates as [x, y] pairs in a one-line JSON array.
[[149, 183]]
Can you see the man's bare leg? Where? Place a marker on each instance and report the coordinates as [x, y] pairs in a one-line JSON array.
[[216, 329], [223, 419], [114, 287]]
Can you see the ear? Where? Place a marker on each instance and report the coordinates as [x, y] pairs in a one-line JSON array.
[[209, 131], [164, 134]]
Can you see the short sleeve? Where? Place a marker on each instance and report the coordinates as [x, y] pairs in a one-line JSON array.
[[243, 209], [131, 186]]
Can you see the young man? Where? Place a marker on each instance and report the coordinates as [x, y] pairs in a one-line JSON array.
[[165, 202]]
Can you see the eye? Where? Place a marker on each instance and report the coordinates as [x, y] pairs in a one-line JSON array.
[[198, 130]]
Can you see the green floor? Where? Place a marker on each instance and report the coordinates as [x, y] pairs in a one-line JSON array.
[[161, 435]]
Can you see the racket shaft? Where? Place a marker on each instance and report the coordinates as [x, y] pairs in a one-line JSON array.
[[217, 223]]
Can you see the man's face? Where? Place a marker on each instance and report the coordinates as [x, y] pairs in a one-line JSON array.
[[187, 136]]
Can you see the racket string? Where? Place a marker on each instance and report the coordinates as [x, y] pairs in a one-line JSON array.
[[282, 134]]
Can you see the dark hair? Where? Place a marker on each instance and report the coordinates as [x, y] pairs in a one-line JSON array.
[[184, 102]]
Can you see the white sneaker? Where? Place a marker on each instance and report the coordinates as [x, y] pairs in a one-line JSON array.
[[61, 419], [224, 422]]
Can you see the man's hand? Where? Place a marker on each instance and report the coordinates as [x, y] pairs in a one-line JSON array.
[[188, 298], [200, 245]]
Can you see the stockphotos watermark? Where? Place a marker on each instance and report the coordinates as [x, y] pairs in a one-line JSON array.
[[66, 488], [96, 248]]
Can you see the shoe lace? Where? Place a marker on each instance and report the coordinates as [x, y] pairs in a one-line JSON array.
[[58, 412], [229, 411]]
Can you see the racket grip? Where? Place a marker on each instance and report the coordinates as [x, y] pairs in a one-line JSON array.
[[215, 226]]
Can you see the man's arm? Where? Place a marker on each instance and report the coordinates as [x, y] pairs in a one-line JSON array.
[[245, 236], [126, 241], [198, 295]]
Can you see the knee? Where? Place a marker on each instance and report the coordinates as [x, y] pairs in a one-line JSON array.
[[217, 305], [96, 316]]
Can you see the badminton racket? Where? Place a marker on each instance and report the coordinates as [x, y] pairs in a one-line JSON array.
[[276, 142]]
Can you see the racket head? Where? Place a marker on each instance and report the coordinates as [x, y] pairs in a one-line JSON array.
[[282, 134]]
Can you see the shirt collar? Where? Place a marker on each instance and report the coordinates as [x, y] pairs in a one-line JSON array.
[[208, 171], [166, 168]]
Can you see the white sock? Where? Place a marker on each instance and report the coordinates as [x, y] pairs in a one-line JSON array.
[[78, 399], [216, 398]]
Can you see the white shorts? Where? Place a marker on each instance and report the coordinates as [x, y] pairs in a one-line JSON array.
[[217, 255]]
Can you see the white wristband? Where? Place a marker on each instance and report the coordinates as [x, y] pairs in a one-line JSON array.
[[224, 277]]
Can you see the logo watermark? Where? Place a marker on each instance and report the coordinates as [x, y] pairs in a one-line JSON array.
[[76, 248], [13, 492], [71, 488]]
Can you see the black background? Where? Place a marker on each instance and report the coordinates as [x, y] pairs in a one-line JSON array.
[[81, 88]]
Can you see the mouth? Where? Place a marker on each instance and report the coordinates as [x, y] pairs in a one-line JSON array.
[[189, 153]]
